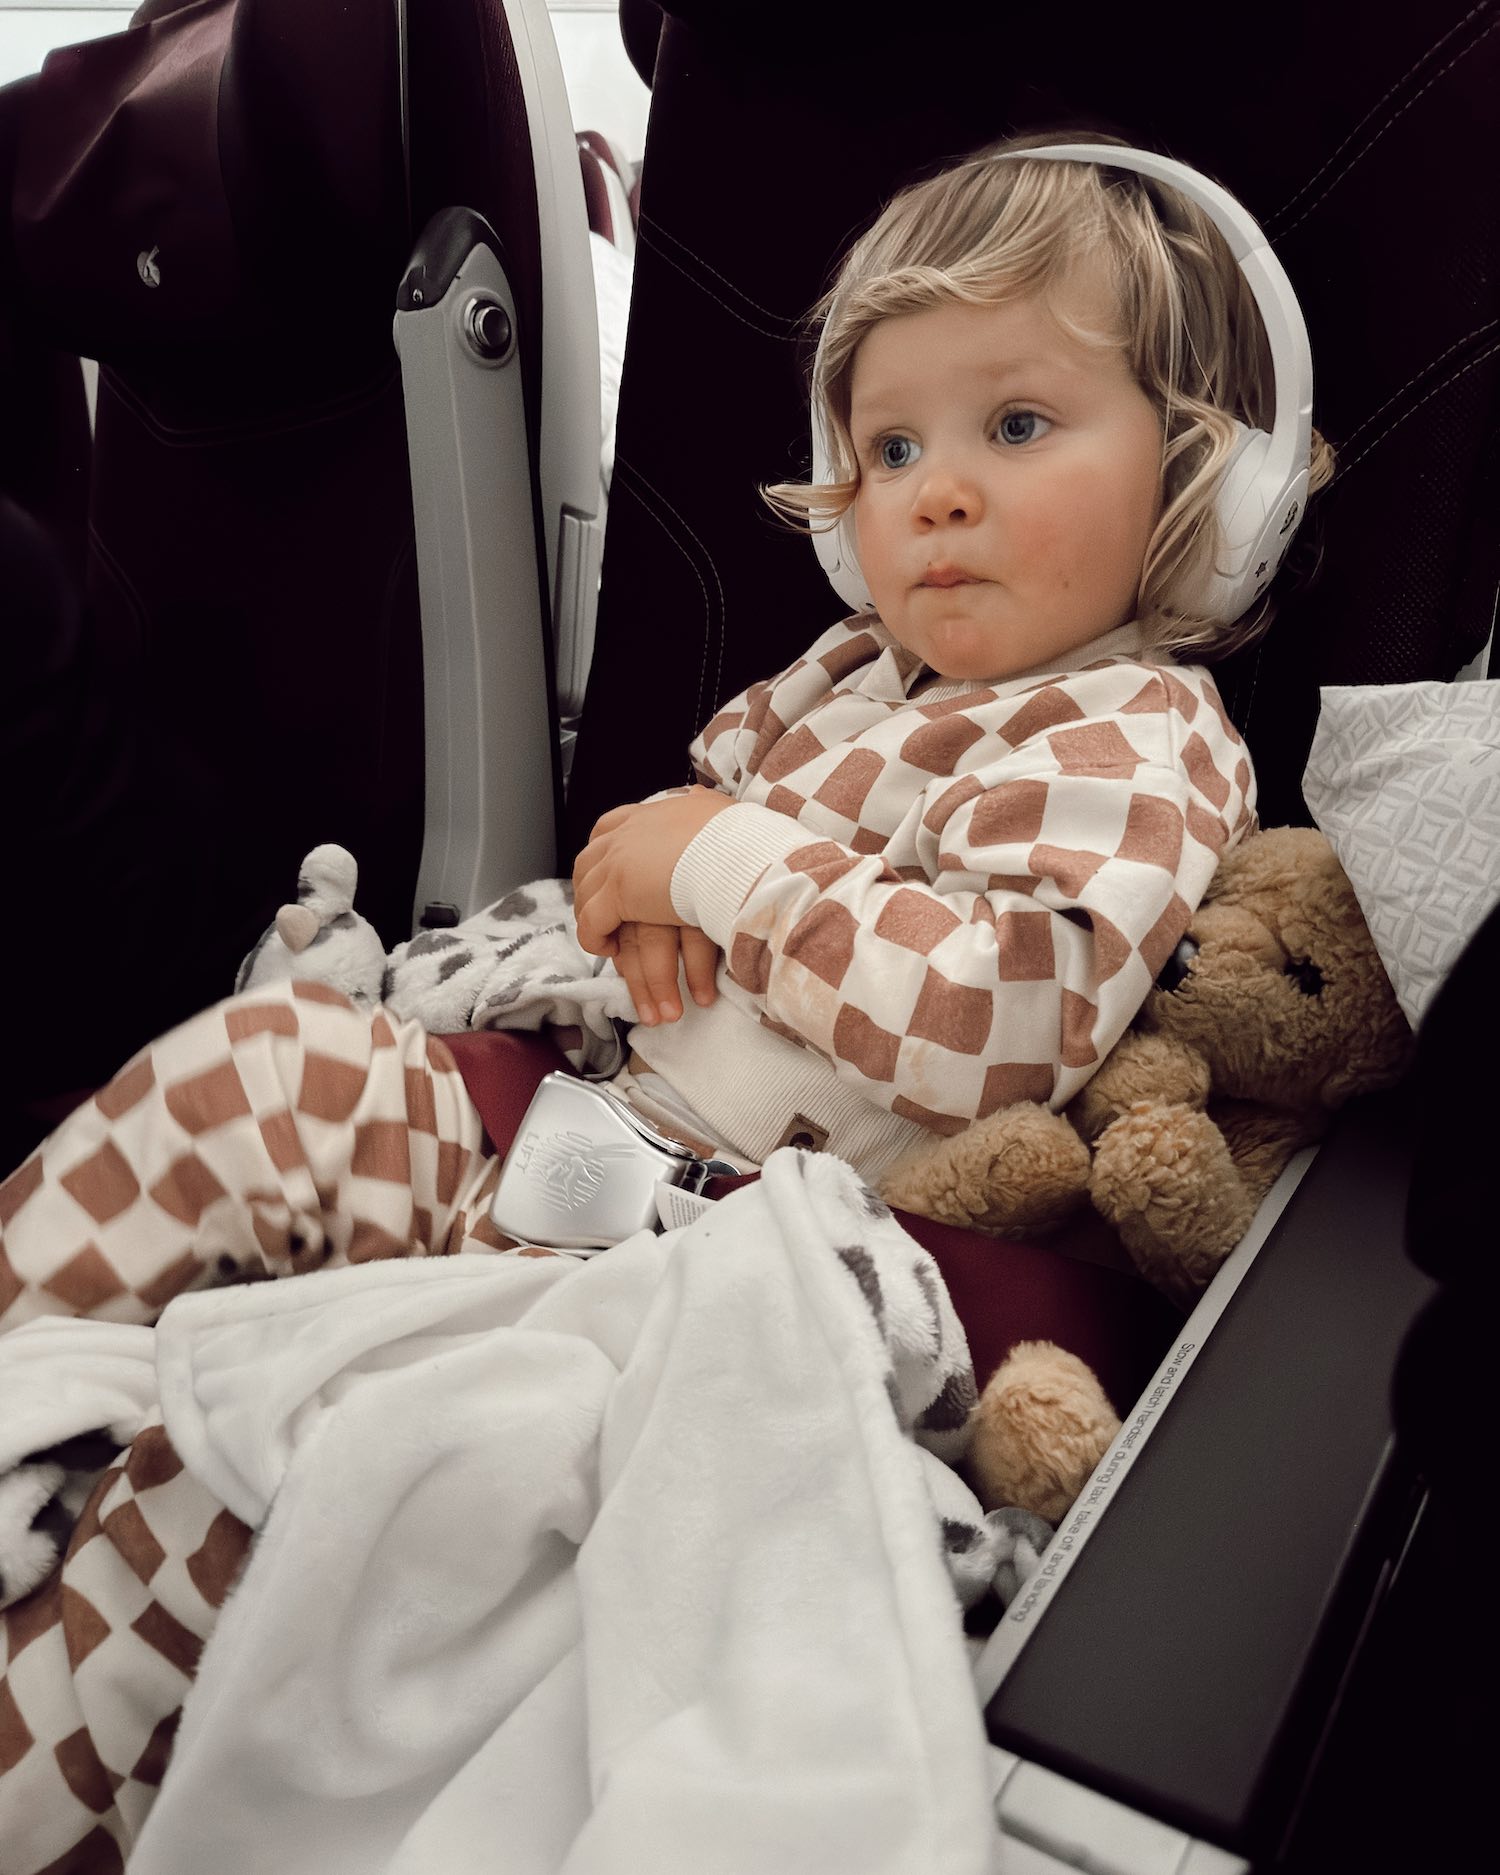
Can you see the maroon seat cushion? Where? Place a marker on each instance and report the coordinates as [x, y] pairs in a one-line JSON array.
[[1075, 1289], [502, 1069], [1005, 1292]]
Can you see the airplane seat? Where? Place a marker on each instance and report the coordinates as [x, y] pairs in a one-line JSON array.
[[1187, 1666], [44, 441], [225, 205], [608, 152]]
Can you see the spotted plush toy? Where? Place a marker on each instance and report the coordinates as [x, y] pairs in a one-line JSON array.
[[321, 936], [514, 965]]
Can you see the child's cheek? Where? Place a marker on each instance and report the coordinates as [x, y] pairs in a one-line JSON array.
[[873, 537], [1081, 531], [1049, 541]]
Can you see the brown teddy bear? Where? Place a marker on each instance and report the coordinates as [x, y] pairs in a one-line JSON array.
[[1273, 1011]]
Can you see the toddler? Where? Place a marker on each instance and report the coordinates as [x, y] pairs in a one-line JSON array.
[[945, 854], [930, 869]]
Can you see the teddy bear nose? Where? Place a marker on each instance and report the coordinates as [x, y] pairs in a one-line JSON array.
[[1178, 965]]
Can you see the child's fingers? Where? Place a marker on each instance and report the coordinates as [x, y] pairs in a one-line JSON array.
[[657, 945], [592, 862], [700, 960], [628, 963], [595, 915], [584, 866]]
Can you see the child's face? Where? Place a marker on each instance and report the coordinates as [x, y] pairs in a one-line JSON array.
[[1010, 480]]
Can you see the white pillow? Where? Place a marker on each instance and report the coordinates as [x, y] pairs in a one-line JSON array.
[[1404, 779]]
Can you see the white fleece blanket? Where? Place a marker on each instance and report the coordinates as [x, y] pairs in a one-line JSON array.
[[604, 1566]]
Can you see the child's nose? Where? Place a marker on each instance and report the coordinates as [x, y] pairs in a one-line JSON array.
[[946, 497]]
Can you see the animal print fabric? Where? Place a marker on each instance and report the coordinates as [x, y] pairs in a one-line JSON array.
[[281, 1131], [516, 965]]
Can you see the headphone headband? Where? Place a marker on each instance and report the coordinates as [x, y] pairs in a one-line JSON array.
[[1281, 315], [1262, 495]]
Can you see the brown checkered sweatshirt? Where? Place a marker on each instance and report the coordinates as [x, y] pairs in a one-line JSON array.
[[937, 898]]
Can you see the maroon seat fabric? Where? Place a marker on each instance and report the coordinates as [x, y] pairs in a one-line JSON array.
[[601, 212], [1075, 1289], [1005, 1292], [502, 1070]]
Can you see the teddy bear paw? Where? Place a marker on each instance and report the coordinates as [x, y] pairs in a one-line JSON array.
[[1042, 1424], [1163, 1176], [1022, 1169]]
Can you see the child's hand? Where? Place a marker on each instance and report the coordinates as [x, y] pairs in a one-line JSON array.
[[624, 874], [647, 959]]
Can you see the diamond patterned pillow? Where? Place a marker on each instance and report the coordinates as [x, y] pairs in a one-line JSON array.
[[1405, 781]]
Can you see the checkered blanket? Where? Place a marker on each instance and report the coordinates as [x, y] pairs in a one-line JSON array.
[[627, 1563]]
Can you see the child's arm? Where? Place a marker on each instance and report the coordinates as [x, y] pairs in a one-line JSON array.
[[1006, 968], [618, 903]]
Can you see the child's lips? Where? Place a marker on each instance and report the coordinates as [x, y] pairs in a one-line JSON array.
[[948, 576]]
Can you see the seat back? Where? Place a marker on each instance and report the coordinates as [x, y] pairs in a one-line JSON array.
[[1352, 147], [219, 205]]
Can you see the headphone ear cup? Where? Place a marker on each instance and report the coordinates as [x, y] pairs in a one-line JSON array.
[[845, 573], [834, 546], [1257, 514], [1239, 509]]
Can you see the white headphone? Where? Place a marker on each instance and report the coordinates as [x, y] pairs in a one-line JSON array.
[[1263, 491]]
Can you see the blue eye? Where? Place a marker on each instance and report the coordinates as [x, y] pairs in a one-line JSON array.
[[1021, 426], [897, 452]]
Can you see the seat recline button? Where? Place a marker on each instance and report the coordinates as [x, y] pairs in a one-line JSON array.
[[487, 328]]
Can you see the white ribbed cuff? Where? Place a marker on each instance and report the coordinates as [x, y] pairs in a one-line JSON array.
[[718, 866]]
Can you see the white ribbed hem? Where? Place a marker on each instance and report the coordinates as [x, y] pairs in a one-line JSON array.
[[718, 866], [749, 1084]]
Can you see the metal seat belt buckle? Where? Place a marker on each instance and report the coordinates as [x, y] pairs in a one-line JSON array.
[[583, 1169]]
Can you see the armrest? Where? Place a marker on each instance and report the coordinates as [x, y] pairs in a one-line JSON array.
[[492, 783], [1189, 1663]]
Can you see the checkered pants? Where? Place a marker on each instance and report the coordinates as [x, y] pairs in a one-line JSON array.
[[283, 1130]]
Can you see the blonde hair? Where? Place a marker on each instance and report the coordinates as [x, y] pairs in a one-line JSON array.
[[985, 232]]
